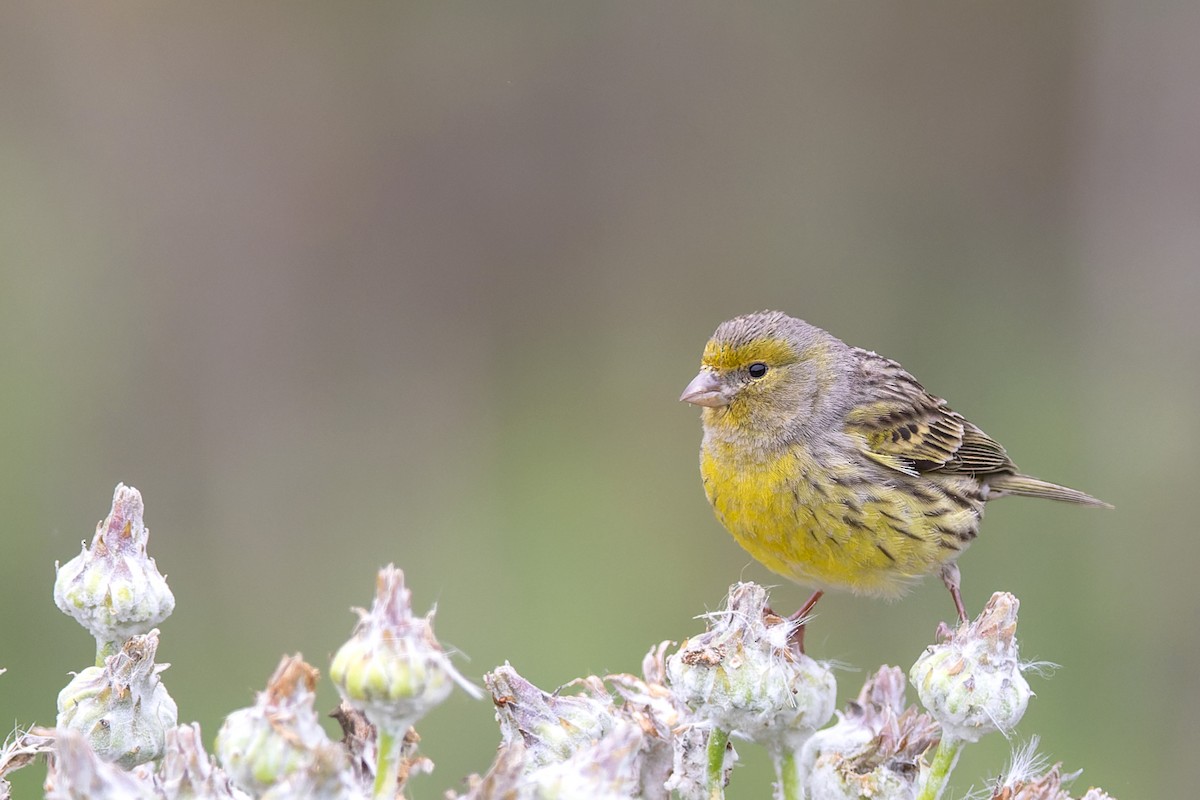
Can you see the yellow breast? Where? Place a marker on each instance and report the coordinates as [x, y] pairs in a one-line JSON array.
[[830, 522]]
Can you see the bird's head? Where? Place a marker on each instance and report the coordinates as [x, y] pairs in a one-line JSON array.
[[767, 374]]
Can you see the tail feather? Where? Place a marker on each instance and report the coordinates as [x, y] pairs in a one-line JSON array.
[[1002, 484]]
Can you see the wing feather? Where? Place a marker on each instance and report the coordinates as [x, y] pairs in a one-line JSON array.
[[900, 425]]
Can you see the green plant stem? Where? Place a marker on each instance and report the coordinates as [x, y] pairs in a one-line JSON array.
[[387, 765], [789, 774], [104, 650], [714, 778], [944, 759]]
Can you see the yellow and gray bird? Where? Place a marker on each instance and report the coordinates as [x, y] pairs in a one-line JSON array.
[[833, 467]]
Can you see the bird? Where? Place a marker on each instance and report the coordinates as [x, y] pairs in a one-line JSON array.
[[835, 468]]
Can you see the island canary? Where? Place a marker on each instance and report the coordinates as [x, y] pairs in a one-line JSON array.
[[835, 468]]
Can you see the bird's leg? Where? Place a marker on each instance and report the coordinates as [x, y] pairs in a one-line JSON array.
[[953, 578], [798, 617]]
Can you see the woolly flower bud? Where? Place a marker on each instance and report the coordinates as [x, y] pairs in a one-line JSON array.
[[122, 709], [280, 735], [607, 769], [392, 667], [744, 675], [875, 750], [551, 727], [972, 683], [75, 772], [114, 589], [188, 772]]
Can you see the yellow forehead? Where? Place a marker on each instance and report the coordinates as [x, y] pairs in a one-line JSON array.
[[727, 356]]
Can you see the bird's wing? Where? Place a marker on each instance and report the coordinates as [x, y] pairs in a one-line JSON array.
[[900, 425]]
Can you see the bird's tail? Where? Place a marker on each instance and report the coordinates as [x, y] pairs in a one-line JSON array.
[[1027, 486]]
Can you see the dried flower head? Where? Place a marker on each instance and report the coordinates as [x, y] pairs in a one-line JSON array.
[[551, 727], [875, 750]]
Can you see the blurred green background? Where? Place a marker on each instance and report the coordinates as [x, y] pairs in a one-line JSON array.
[[342, 284]]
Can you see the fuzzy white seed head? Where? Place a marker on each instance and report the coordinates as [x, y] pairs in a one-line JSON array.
[[744, 675], [972, 683]]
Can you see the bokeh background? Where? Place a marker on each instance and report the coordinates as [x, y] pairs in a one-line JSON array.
[[337, 285]]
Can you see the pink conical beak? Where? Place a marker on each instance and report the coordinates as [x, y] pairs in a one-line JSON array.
[[705, 390]]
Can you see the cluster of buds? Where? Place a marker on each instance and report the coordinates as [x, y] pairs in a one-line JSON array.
[[114, 589], [662, 734], [583, 744], [611, 737]]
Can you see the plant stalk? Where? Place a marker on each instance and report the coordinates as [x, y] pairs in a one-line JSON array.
[[714, 778], [387, 765], [788, 773], [944, 759]]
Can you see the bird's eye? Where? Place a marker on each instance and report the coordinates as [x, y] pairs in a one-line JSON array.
[[757, 370]]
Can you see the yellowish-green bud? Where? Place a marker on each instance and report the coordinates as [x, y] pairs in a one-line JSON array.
[[745, 676], [972, 682], [392, 668], [113, 588], [122, 709], [279, 736]]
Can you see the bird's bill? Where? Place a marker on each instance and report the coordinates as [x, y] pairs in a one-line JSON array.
[[705, 390]]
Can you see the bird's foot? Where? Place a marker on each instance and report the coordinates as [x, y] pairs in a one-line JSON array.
[[800, 619]]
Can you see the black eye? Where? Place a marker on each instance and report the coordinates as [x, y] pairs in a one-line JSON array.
[[757, 370]]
